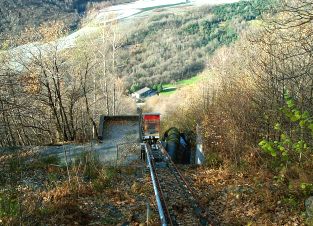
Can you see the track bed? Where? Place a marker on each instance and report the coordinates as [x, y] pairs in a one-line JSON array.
[[179, 204]]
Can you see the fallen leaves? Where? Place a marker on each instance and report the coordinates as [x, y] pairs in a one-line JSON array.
[[49, 199], [240, 198]]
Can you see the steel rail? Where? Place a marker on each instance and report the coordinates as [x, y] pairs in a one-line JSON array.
[[170, 222], [155, 188], [186, 185]]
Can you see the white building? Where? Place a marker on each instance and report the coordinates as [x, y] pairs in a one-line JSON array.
[[142, 93]]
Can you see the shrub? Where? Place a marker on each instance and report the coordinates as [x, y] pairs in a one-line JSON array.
[[213, 160], [289, 149], [51, 159], [44, 162], [104, 179], [9, 206], [307, 189]]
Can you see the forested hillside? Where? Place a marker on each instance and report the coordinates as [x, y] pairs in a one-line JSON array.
[[15, 16], [175, 46], [91, 78], [248, 121]]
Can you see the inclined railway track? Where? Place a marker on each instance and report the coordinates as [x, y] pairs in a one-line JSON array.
[[176, 203]]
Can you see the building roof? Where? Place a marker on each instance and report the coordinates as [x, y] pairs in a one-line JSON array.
[[151, 113], [142, 91]]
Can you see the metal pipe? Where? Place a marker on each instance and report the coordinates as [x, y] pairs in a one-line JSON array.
[[155, 188]]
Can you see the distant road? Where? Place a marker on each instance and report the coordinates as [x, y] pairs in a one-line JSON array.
[[130, 10]]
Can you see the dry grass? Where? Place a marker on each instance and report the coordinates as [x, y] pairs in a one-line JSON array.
[[237, 107], [108, 196], [241, 198]]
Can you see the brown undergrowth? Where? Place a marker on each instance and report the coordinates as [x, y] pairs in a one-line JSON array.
[[247, 196], [38, 190]]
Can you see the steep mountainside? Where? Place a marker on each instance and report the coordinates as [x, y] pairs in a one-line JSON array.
[[16, 15], [174, 46]]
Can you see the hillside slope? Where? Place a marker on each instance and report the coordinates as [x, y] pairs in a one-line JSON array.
[[15, 16], [172, 45]]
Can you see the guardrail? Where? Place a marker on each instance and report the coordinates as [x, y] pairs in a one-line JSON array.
[[155, 188]]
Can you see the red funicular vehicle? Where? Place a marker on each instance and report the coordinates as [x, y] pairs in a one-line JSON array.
[[151, 126]]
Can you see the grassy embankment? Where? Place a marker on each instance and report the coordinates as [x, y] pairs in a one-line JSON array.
[[170, 88]]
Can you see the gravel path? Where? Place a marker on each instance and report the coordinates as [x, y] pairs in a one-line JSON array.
[[118, 134]]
